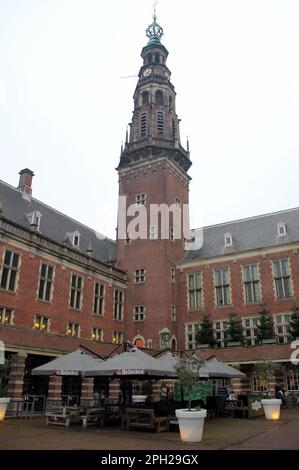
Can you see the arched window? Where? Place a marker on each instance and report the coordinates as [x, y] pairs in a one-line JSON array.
[[157, 58], [173, 344], [160, 123], [143, 125], [159, 97], [149, 344], [149, 58], [145, 97]]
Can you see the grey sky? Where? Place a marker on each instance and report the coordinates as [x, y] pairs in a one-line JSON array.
[[64, 109]]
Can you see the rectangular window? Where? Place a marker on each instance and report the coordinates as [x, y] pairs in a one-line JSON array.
[[97, 334], [76, 292], [117, 337], [45, 282], [250, 331], [139, 313], [160, 123], [9, 271], [6, 316], [173, 312], [220, 328], [171, 233], [222, 287], [73, 329], [139, 276], [140, 199], [258, 383], [190, 334], [98, 305], [41, 323], [282, 278], [195, 290], [118, 304], [172, 275], [282, 327], [251, 283], [143, 125]]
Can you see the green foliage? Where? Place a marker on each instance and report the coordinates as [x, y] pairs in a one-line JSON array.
[[205, 334], [266, 370], [265, 327], [187, 371], [199, 391], [294, 323], [235, 328]]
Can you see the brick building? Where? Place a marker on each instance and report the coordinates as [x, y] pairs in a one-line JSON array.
[[64, 285]]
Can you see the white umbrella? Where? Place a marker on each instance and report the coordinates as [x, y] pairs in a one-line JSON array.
[[75, 363], [210, 368], [130, 363]]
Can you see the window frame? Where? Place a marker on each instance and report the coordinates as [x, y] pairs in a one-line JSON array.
[[12, 272]]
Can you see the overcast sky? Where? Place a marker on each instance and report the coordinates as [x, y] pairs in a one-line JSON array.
[[64, 108]]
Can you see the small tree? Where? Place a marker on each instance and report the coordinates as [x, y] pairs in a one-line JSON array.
[[235, 328], [294, 323], [205, 334], [187, 371], [266, 370], [265, 327]]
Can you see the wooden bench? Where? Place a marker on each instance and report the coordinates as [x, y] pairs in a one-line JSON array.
[[93, 417], [63, 417], [146, 419]]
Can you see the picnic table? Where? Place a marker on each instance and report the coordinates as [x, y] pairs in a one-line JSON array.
[[64, 417]]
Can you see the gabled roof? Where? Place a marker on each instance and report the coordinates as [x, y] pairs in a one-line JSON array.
[[53, 224], [248, 234]]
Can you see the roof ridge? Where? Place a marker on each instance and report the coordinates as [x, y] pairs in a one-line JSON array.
[[268, 214], [61, 213]]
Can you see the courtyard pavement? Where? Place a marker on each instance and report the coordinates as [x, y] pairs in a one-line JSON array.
[[220, 433]]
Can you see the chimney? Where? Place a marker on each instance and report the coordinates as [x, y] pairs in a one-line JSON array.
[[25, 181]]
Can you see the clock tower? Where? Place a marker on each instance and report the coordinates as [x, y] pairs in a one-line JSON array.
[[153, 179]]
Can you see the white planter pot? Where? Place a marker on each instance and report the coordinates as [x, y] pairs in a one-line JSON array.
[[139, 398], [191, 424], [3, 405], [271, 408]]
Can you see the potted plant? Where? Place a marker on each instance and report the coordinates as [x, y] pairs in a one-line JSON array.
[[234, 331], [271, 405], [265, 327], [204, 335], [4, 400], [191, 420], [137, 395]]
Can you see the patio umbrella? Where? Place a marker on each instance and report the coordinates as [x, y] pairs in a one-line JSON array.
[[131, 363], [75, 363], [211, 368], [218, 369]]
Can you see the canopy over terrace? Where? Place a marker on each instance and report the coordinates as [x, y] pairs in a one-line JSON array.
[[211, 367], [132, 363], [75, 363]]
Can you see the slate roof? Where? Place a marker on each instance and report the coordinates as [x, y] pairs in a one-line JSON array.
[[53, 224], [248, 234]]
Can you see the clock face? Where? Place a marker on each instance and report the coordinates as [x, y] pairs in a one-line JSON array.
[[147, 72]]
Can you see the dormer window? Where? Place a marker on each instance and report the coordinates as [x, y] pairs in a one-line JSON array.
[[74, 238], [34, 219], [281, 229], [228, 239]]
